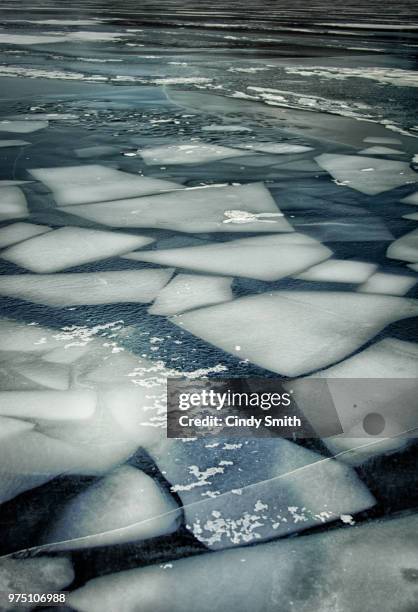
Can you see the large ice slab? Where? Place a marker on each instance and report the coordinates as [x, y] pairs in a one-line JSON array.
[[187, 291], [277, 148], [17, 232], [367, 174], [125, 506], [13, 143], [391, 284], [263, 257], [54, 405], [388, 359], [238, 491], [366, 567], [12, 203], [193, 153], [70, 246], [114, 287], [94, 183], [405, 248], [22, 127], [339, 271], [193, 210], [295, 332]]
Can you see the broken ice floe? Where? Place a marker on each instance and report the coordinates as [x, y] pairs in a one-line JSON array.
[[193, 153], [412, 216], [187, 291], [12, 203], [56, 405], [411, 199], [262, 257], [266, 489], [22, 127], [93, 183], [140, 286], [339, 271], [391, 284], [17, 232], [225, 128], [126, 505], [295, 332], [70, 246], [191, 210], [13, 143], [380, 151], [405, 248], [367, 174], [388, 359], [360, 567], [382, 140], [277, 148]]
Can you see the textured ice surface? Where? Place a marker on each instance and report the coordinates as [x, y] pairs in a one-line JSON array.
[[351, 569], [262, 257], [411, 199], [40, 575], [124, 506], [12, 203], [294, 332], [392, 284], [277, 148], [91, 288], [367, 174], [340, 271], [405, 248], [244, 491], [17, 232], [93, 183], [22, 127], [70, 246], [55, 405], [380, 151], [191, 210], [13, 143], [187, 291], [194, 153], [388, 359]]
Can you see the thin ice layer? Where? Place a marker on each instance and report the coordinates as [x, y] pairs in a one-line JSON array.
[[70, 246], [278, 148], [262, 257], [295, 332], [195, 153], [13, 143], [187, 291], [367, 174], [94, 183], [380, 151], [339, 271], [140, 286], [17, 232], [12, 203], [405, 248], [22, 127], [391, 284], [126, 505], [192, 210]]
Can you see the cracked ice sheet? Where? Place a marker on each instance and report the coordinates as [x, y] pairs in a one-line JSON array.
[[135, 286], [22, 127], [187, 291], [93, 183], [262, 257], [17, 232], [70, 246], [259, 577], [12, 203], [388, 359], [295, 332], [193, 153], [193, 210], [115, 403], [261, 490], [126, 501], [368, 175]]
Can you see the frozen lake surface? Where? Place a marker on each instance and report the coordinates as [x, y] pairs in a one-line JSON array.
[[188, 191]]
